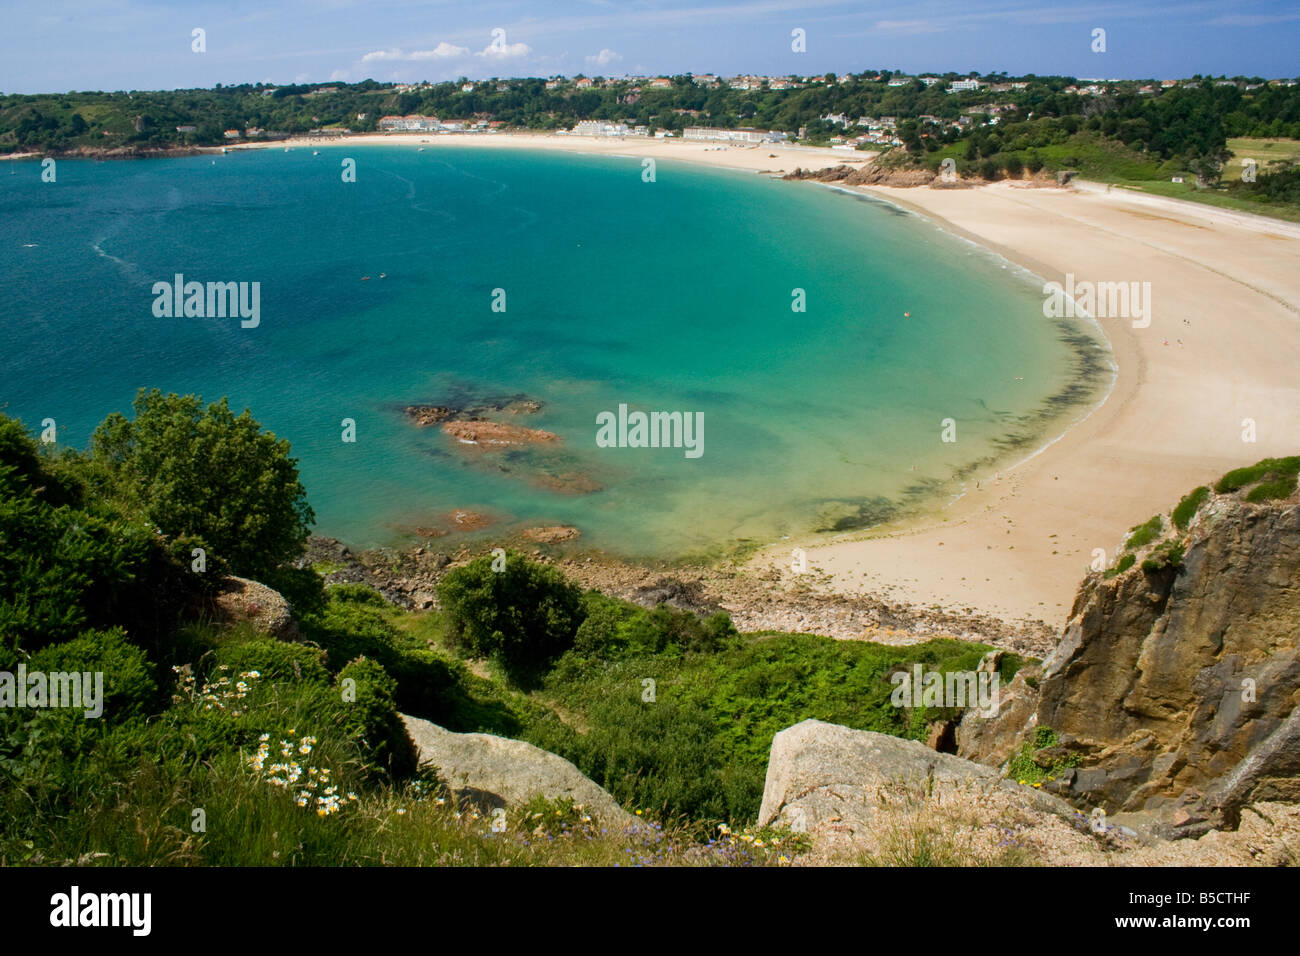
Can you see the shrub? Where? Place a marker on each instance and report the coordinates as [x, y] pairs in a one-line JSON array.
[[208, 473], [1269, 469], [1168, 554], [275, 660], [1188, 506], [355, 623], [1125, 562], [370, 714], [128, 682], [1143, 534], [523, 616]]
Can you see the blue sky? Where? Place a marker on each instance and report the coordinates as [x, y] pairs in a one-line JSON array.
[[52, 45]]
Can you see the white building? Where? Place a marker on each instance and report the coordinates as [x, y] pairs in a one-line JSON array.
[[959, 86], [746, 136]]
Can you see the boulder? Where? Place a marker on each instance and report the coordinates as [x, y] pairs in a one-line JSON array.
[[499, 772], [877, 798], [239, 599]]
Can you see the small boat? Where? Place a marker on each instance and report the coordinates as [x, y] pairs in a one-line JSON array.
[[365, 278], [420, 150], [315, 152], [383, 275]]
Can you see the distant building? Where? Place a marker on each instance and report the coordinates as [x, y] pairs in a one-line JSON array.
[[411, 123], [187, 129], [746, 136], [231, 134], [661, 83], [961, 86], [600, 128], [584, 83], [929, 80], [467, 87]]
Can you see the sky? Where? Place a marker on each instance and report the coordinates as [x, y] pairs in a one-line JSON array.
[[56, 46]]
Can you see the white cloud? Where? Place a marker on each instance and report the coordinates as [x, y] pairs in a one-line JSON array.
[[505, 51], [443, 51], [604, 58]]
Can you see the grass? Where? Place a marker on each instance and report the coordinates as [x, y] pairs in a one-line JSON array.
[[1273, 478], [1142, 535], [1263, 151], [1187, 507]]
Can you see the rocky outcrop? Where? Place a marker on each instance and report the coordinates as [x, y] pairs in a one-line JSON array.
[[497, 772], [1173, 689], [872, 174], [868, 797], [239, 599], [427, 416], [491, 435], [552, 534], [863, 797]]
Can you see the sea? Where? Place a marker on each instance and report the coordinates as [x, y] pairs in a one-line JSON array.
[[851, 363]]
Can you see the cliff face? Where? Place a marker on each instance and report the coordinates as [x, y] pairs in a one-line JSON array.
[[1174, 688]]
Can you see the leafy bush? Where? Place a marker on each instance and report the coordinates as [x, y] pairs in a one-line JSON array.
[[523, 617], [208, 473], [371, 715], [1167, 554], [128, 683], [1188, 506], [1143, 534], [1275, 471], [1125, 562]]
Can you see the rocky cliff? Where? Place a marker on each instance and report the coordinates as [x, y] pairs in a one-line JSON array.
[[1172, 693]]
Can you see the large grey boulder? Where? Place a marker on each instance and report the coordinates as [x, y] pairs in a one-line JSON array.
[[499, 772], [819, 771]]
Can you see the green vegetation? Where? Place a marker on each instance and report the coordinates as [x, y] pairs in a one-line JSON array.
[[1272, 478], [1133, 133], [219, 744], [1188, 506], [1142, 535], [209, 476], [519, 614], [1125, 562], [1030, 766]]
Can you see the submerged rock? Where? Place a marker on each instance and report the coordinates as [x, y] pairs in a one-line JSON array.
[[491, 435], [552, 534]]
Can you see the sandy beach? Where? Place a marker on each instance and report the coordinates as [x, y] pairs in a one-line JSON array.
[[1222, 346]]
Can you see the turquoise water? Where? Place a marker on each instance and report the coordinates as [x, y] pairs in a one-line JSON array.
[[666, 296]]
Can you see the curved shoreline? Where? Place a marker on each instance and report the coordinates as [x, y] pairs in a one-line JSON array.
[[1222, 348]]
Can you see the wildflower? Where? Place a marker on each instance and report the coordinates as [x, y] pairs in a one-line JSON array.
[[638, 813], [401, 811]]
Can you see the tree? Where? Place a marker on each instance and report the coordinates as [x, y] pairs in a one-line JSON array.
[[211, 475], [1208, 165], [523, 615]]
